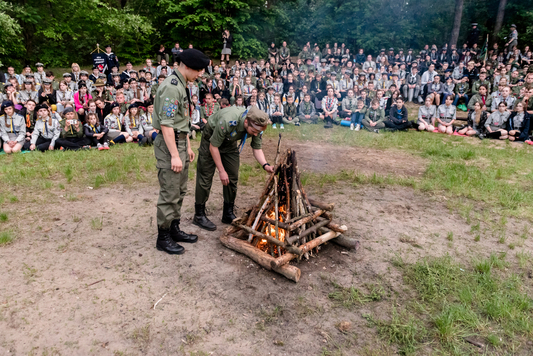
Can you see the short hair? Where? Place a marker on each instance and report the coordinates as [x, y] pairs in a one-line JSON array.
[[502, 103], [374, 102], [224, 102], [484, 86], [209, 95], [451, 96], [307, 94]]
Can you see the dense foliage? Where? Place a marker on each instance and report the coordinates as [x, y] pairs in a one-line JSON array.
[[58, 32]]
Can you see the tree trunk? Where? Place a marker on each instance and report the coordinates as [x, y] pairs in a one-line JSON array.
[[457, 22], [499, 20]]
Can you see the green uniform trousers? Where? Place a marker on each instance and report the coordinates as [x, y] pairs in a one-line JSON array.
[[205, 169], [172, 185]]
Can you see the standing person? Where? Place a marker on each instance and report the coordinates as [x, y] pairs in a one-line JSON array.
[[513, 39], [220, 149], [172, 148], [473, 36], [284, 52], [112, 59], [228, 41]]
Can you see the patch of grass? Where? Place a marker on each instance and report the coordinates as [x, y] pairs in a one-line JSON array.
[[97, 223], [3, 217], [449, 237], [352, 297], [142, 335], [480, 300], [6, 237]]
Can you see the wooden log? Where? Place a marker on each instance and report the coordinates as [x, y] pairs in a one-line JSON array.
[[308, 231], [265, 191], [263, 259], [323, 206], [276, 202], [287, 257], [332, 226], [282, 225], [298, 218], [288, 192], [271, 239], [303, 221], [342, 240]]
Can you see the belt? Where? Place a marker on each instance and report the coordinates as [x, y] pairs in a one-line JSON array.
[[178, 135]]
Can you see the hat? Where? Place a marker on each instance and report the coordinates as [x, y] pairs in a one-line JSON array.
[[66, 75], [447, 70], [401, 49], [410, 49], [323, 60], [382, 50], [113, 105], [133, 71], [348, 72], [449, 78], [30, 75], [39, 64], [148, 103], [27, 66], [474, 24], [134, 105], [99, 83], [142, 71], [84, 72], [8, 84], [418, 56], [28, 81], [67, 110], [40, 106], [257, 117], [513, 26], [270, 87], [464, 76], [7, 104], [391, 49], [47, 81], [101, 75], [82, 84], [116, 74], [108, 46], [193, 59]]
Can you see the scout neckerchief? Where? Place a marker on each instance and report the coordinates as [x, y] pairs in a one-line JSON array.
[[11, 118], [149, 118], [28, 120], [209, 110], [330, 103], [243, 141]]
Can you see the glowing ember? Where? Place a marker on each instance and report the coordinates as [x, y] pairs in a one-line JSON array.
[[270, 229]]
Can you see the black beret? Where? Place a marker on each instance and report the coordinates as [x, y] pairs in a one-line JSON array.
[[194, 59], [113, 105], [7, 104], [134, 105], [41, 106]]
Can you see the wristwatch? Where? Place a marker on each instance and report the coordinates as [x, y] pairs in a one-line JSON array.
[[266, 164]]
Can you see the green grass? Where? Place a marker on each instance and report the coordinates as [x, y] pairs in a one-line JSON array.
[[6, 237]]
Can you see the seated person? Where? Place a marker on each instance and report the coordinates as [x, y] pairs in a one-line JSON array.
[[71, 136], [461, 88], [398, 116], [374, 117], [46, 130], [306, 111], [446, 115], [435, 89], [426, 115], [95, 132], [476, 121], [290, 112], [519, 123], [276, 112], [358, 114], [330, 108], [481, 97], [12, 128], [497, 122], [113, 122]]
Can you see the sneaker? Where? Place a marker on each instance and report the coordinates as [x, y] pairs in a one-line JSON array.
[[352, 126], [281, 126], [100, 147], [357, 127], [274, 126], [297, 124], [106, 146], [376, 130], [420, 100], [86, 147], [193, 134], [143, 142]]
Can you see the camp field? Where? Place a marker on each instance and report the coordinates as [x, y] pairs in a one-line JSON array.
[[444, 266]]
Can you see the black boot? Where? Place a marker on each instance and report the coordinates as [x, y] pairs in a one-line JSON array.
[[227, 214], [201, 220], [165, 243], [181, 236]]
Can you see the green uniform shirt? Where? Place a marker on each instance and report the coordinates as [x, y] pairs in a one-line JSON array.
[[171, 104], [228, 128]]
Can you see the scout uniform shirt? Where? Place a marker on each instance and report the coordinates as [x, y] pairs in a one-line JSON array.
[[134, 124], [71, 131], [12, 126], [113, 123], [349, 104], [426, 113], [47, 131], [171, 104], [228, 129], [446, 113], [375, 115], [497, 120]]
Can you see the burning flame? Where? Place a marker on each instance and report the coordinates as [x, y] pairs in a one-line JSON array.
[[271, 228]]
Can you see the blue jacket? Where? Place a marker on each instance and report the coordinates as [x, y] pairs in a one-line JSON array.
[[524, 128]]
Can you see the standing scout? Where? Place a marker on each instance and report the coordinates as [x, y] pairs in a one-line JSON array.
[[171, 118], [220, 149]]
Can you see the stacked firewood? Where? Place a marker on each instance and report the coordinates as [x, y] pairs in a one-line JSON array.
[[284, 224]]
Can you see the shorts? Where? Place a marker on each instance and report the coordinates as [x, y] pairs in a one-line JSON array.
[[113, 134]]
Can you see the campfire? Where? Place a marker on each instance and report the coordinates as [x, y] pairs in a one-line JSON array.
[[284, 224]]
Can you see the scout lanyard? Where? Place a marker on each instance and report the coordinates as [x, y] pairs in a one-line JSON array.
[[187, 92], [243, 141]]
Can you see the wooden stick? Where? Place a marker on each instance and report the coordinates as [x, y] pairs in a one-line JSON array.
[[335, 227], [288, 192], [263, 259], [286, 258], [266, 189], [308, 231], [271, 239], [341, 240], [298, 218], [276, 203], [258, 215], [281, 224], [323, 206], [95, 282], [303, 221]]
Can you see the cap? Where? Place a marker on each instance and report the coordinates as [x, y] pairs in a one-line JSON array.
[[39, 64], [47, 81], [464, 76], [27, 66], [513, 26], [474, 24], [8, 84], [401, 49], [382, 50], [101, 75], [410, 49], [391, 49], [193, 59], [257, 117], [67, 110], [41, 106], [66, 75], [28, 81], [82, 84], [133, 71], [7, 104], [323, 60], [29, 75], [115, 75], [84, 72], [99, 83], [148, 103], [108, 46]]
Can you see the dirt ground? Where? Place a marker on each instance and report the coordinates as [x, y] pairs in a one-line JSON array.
[[83, 276]]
